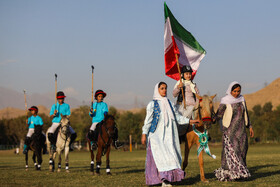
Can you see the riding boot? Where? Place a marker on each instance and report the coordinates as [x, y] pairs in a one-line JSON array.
[[92, 139], [117, 144], [73, 137], [52, 140], [26, 145]]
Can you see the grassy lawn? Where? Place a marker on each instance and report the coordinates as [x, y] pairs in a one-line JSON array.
[[128, 169]]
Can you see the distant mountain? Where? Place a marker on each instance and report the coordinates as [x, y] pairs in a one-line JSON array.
[[11, 112], [271, 93], [15, 99]]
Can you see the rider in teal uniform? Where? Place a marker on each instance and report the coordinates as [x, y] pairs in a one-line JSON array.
[[31, 122], [58, 109], [98, 110]]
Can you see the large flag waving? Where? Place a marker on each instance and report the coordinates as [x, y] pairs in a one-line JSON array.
[[177, 40]]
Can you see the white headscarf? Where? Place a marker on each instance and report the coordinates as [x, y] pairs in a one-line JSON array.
[[229, 99], [166, 108]]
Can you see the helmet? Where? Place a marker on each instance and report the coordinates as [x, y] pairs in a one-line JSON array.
[[186, 69], [100, 92], [33, 108], [60, 95]]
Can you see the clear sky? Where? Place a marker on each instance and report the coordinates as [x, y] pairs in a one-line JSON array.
[[124, 41]]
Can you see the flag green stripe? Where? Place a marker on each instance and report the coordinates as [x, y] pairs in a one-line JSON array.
[[180, 32]]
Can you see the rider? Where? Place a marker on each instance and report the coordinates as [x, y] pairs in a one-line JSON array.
[[189, 89], [57, 109], [31, 122], [97, 111]]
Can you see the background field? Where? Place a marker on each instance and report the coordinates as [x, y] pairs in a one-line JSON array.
[[128, 169]]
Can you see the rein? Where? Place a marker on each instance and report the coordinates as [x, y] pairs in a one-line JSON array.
[[67, 132], [107, 144]]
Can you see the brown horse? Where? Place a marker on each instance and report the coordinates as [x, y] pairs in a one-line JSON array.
[[203, 111], [105, 138]]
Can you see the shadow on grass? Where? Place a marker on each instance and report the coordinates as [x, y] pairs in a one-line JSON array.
[[134, 171], [255, 175], [194, 180]]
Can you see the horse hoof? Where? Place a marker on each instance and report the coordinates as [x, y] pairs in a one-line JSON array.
[[26, 169], [205, 180], [109, 173], [98, 174], [92, 173], [58, 170], [67, 171]]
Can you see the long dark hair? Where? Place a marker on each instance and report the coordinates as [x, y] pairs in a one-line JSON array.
[[161, 83], [235, 86]]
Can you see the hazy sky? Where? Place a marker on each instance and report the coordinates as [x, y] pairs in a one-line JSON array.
[[124, 41]]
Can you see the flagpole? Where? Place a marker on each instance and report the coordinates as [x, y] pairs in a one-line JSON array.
[[178, 66]]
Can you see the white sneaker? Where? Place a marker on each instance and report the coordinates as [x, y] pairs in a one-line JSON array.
[[164, 184]]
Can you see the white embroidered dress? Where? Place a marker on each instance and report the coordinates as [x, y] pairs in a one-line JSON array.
[[164, 141]]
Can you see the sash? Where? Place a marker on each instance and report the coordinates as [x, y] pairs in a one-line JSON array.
[[203, 140]]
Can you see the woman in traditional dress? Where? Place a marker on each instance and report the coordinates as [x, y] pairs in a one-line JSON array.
[[163, 161], [233, 116]]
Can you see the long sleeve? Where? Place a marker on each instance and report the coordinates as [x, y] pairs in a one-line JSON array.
[[149, 118], [176, 90], [220, 112], [181, 120]]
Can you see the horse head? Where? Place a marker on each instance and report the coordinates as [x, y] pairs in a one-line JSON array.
[[204, 110], [109, 124], [65, 122]]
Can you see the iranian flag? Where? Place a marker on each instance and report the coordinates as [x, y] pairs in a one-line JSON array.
[[177, 40]]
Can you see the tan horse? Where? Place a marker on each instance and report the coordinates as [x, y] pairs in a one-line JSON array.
[[62, 143], [203, 111]]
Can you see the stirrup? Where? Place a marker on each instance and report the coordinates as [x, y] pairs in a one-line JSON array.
[[93, 145], [25, 151], [53, 148], [118, 144]]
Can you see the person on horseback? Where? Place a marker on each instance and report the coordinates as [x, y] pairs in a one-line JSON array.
[[31, 122], [58, 109], [189, 89], [97, 111]]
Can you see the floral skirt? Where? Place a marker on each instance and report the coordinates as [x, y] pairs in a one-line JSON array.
[[236, 168], [154, 177]]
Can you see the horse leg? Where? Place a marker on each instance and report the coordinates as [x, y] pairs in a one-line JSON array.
[[26, 161], [92, 158], [59, 159], [188, 144], [98, 160], [39, 158], [201, 163], [108, 171], [34, 160], [67, 156]]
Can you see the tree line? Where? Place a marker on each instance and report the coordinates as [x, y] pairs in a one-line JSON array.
[[265, 121]]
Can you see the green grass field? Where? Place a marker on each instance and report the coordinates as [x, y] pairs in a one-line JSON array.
[[128, 169]]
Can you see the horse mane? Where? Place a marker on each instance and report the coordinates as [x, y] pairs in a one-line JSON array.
[[108, 116]]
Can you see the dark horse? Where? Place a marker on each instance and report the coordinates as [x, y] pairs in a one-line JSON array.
[[105, 138], [204, 112], [36, 145]]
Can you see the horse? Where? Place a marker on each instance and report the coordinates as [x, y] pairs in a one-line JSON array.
[[104, 141], [204, 112], [36, 145], [62, 143]]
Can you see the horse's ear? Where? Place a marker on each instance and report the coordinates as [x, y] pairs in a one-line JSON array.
[[61, 115], [67, 116], [198, 96], [213, 96]]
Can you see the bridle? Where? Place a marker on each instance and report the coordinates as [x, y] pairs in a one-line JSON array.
[[200, 116], [110, 136]]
